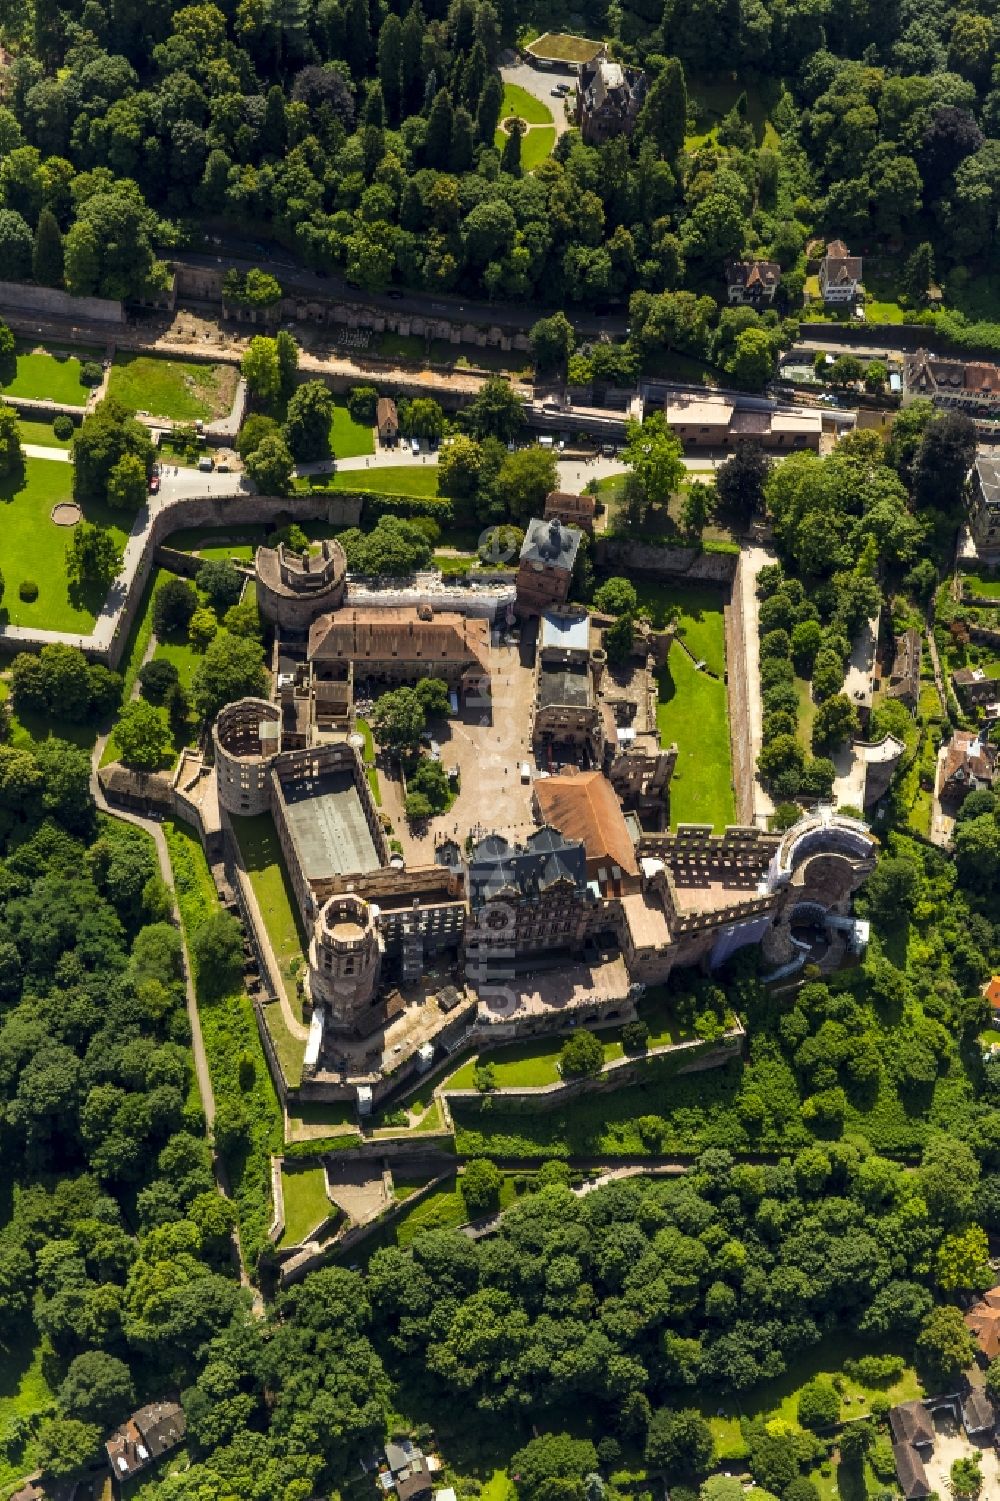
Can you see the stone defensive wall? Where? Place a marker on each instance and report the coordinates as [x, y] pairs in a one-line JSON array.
[[687, 1058], [53, 304], [689, 563], [108, 640]]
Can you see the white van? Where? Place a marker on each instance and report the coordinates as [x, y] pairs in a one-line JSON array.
[[414, 446]]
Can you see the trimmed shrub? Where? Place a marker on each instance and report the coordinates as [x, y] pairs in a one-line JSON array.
[[28, 591], [63, 427], [91, 373]]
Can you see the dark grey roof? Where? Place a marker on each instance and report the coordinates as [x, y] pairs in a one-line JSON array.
[[910, 1470], [911, 1423], [401, 1452], [550, 543], [978, 1412], [563, 685], [988, 472], [527, 870]]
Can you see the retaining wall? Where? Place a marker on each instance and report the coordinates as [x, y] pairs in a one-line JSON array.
[[47, 300], [689, 1056], [667, 562]]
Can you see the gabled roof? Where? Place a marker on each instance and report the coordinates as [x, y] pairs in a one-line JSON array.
[[369, 634], [911, 1423], [978, 1412], [545, 860], [755, 275], [385, 413], [969, 759], [983, 1323], [911, 1473], [584, 806]]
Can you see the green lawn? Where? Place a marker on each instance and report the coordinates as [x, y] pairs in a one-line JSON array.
[[52, 375], [33, 547], [988, 587], [349, 438], [399, 346], [232, 1041], [42, 434], [517, 101], [183, 656], [24, 1393], [306, 1203], [711, 100], [779, 1398], [536, 146], [181, 389], [258, 841], [700, 618], [693, 712], [290, 1050], [529, 1064], [389, 479]]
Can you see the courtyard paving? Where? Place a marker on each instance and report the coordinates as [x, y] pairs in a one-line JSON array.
[[951, 1444]]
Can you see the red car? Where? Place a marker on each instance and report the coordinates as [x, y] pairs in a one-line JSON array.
[[154, 484]]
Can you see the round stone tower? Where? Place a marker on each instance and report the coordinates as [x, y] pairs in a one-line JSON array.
[[246, 736], [293, 589], [345, 961]]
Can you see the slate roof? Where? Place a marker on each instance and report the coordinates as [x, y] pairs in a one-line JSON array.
[[551, 544], [911, 1423], [528, 870], [978, 1412], [755, 276], [969, 760], [910, 1472]]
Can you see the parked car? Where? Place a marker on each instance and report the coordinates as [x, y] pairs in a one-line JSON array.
[[154, 484], [414, 445]]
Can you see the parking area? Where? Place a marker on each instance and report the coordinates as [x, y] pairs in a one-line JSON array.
[[540, 83], [951, 1444]]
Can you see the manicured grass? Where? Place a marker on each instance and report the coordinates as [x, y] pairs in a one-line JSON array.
[[564, 48], [306, 1203], [24, 1394], [536, 146], [530, 1064], [349, 438], [290, 1050], [399, 346], [517, 101], [33, 547], [229, 1028], [389, 479], [779, 1398], [700, 617], [184, 657], [42, 434], [807, 713], [45, 375], [975, 583], [883, 312], [693, 712], [258, 841], [181, 389]]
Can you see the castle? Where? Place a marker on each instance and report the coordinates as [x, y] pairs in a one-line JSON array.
[[558, 910]]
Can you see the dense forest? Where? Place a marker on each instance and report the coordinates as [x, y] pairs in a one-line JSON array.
[[361, 135]]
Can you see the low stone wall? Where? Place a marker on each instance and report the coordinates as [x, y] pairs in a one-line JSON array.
[[689, 1057], [666, 562], [22, 296]]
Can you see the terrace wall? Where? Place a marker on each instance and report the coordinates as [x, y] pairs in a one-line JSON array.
[[690, 1057], [46, 300], [666, 562]]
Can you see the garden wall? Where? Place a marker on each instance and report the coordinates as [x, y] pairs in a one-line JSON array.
[[21, 296], [688, 563], [688, 1057]]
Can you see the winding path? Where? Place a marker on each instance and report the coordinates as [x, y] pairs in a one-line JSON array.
[[204, 1080]]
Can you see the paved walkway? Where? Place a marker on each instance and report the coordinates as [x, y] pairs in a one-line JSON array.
[[38, 451], [539, 84], [754, 559]]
